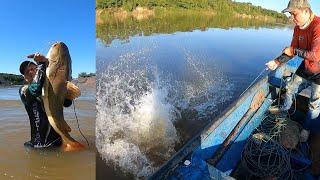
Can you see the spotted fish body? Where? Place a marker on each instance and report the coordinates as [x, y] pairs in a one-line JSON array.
[[58, 76]]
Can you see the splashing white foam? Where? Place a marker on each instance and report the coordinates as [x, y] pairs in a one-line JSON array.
[[134, 120], [137, 107]]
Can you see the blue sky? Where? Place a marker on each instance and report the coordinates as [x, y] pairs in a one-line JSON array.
[[279, 5], [32, 26]]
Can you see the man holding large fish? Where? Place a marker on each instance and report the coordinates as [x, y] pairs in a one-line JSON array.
[[47, 91]]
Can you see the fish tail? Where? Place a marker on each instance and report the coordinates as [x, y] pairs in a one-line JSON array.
[[72, 146]]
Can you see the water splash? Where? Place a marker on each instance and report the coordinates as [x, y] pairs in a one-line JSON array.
[[205, 88], [134, 120], [141, 107]]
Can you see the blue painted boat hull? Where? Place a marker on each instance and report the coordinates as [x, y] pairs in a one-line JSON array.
[[225, 137]]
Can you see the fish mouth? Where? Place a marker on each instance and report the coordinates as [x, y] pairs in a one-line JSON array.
[[54, 45]]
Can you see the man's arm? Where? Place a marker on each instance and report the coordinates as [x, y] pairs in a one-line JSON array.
[[284, 57], [314, 53], [288, 52], [35, 88]]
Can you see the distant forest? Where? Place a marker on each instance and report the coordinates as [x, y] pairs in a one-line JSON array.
[[10, 79], [85, 75], [223, 6], [13, 79]]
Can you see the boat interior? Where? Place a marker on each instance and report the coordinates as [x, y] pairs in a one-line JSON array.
[[248, 142]]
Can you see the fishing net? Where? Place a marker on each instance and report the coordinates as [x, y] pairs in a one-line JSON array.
[[267, 152], [290, 135], [281, 129], [264, 157]]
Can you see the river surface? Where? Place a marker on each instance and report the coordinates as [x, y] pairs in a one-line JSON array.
[[20, 163], [161, 80]]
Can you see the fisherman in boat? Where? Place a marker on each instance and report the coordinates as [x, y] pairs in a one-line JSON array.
[[42, 133], [305, 44]]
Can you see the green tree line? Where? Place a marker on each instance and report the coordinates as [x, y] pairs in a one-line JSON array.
[[84, 74], [168, 22], [225, 6], [11, 79]]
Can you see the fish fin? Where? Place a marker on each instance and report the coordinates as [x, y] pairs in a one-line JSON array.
[[73, 91], [72, 146]]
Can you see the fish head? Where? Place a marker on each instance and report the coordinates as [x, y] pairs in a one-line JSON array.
[[59, 54]]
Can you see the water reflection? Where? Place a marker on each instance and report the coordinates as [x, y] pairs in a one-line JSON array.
[[168, 22]]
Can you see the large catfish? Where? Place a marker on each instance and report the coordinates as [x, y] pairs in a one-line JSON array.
[[56, 87]]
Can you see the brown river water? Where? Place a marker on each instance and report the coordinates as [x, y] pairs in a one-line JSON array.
[[18, 162]]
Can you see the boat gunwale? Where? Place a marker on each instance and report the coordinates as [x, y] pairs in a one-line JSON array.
[[194, 142]]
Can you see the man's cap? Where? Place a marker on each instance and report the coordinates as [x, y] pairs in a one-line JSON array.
[[24, 65], [296, 4]]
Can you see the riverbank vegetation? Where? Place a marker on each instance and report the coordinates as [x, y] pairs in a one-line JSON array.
[[222, 6], [121, 19], [10, 79], [7, 79], [117, 25], [84, 75]]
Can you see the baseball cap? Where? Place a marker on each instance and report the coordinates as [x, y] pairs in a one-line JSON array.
[[24, 65], [296, 4]]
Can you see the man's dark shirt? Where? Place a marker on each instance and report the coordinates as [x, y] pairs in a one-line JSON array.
[[42, 134]]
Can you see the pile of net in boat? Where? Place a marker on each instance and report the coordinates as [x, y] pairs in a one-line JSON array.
[[281, 129], [266, 154]]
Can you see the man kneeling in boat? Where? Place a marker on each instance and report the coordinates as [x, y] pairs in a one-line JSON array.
[[42, 133], [305, 44]]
